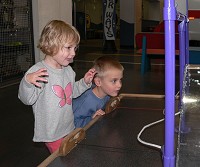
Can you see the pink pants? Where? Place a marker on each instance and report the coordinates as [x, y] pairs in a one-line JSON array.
[[53, 146]]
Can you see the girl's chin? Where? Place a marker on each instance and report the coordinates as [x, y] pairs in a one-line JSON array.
[[66, 64], [70, 61]]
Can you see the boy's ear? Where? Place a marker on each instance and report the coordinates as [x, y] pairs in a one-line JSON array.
[[97, 81]]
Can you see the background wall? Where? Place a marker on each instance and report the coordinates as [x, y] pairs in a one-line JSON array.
[[94, 9], [151, 10], [43, 12], [181, 5], [127, 20]]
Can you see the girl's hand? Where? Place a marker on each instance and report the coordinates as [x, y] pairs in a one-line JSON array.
[[98, 112], [36, 77], [89, 76]]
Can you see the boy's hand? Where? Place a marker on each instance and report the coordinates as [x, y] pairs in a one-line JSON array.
[[36, 77], [89, 76], [98, 112]]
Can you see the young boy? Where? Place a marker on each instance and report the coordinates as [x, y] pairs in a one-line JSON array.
[[107, 83]]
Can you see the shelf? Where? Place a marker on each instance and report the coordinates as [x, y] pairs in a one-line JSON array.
[[15, 29], [154, 0], [7, 48]]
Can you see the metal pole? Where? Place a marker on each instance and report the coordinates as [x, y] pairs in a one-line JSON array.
[[187, 35], [169, 16], [187, 43], [182, 56]]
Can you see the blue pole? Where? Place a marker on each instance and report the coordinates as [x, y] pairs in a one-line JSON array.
[[187, 35], [187, 43], [182, 56], [169, 16]]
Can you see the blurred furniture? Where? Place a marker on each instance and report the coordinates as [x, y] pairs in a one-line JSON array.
[[152, 45]]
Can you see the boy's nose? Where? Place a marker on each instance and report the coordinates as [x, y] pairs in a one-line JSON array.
[[119, 85]]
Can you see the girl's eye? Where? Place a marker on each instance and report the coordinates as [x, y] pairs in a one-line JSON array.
[[76, 48], [72, 48], [68, 48]]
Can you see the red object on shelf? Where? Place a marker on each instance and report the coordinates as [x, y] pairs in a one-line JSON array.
[[194, 14], [156, 39]]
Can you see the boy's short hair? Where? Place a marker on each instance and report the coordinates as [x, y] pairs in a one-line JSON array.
[[55, 35], [104, 63]]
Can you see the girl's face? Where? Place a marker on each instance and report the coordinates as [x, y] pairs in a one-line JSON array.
[[64, 56], [111, 83]]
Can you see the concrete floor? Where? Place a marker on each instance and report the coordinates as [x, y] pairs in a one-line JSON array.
[[16, 121]]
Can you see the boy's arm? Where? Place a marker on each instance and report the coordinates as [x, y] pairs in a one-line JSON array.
[[98, 112], [83, 109], [85, 119]]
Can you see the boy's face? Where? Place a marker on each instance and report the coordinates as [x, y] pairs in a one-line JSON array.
[[110, 84], [64, 56]]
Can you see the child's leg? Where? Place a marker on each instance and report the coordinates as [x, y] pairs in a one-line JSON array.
[[53, 146]]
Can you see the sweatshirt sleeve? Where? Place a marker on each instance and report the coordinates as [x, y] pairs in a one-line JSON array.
[[28, 93], [80, 87]]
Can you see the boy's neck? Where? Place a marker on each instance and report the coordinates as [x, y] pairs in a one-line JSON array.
[[98, 92]]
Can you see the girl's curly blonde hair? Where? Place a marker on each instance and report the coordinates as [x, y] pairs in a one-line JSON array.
[[55, 35]]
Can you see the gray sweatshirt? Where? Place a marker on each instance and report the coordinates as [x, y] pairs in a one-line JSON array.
[[52, 103]]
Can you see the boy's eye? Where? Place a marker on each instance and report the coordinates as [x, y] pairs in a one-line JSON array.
[[113, 81]]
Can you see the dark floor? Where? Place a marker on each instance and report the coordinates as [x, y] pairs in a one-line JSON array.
[[112, 140], [188, 138], [16, 121]]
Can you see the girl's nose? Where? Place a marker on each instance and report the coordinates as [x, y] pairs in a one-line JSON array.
[[73, 52]]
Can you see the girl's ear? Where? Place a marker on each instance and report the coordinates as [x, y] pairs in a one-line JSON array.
[[97, 81]]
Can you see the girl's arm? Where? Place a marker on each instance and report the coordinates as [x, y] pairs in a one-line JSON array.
[[31, 86]]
